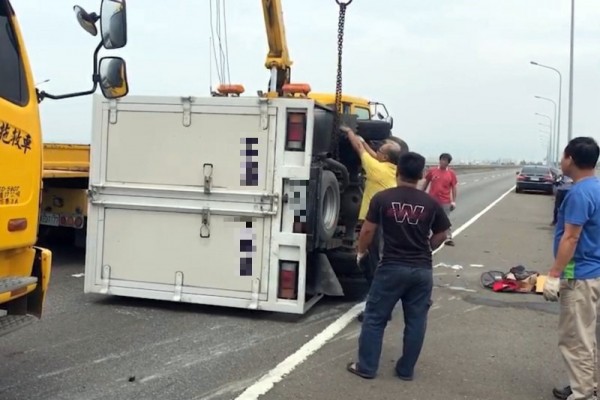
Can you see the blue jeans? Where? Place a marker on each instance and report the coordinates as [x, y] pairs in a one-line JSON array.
[[393, 282]]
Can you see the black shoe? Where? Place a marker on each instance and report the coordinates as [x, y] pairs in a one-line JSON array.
[[449, 242], [562, 393], [565, 392]]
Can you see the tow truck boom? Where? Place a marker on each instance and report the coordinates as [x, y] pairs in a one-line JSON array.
[[278, 58]]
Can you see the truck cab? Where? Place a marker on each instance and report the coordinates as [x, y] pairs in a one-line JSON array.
[[25, 267]]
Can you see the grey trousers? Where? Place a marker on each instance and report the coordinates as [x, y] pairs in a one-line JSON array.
[[579, 306], [447, 210]]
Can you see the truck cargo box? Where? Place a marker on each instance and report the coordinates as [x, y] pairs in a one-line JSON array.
[[186, 201]]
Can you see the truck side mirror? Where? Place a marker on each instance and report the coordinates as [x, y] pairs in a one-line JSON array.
[[113, 77], [113, 24]]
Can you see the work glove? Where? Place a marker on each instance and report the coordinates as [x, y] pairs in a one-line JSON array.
[[551, 288], [359, 257]]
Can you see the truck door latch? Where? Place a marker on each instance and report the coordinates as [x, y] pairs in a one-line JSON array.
[[208, 171], [205, 227]]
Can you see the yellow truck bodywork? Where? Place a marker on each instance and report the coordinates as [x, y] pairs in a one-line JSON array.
[[66, 173], [350, 104], [24, 268]]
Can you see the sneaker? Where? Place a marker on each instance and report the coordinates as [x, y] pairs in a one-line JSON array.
[[565, 393], [571, 397], [562, 393], [449, 242]]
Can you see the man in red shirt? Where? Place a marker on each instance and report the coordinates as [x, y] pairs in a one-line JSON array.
[[442, 182]]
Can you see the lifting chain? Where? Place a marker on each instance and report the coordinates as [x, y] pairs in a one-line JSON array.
[[338, 83]]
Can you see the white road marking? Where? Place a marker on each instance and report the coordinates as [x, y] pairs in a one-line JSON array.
[[268, 380], [461, 289], [476, 265], [472, 309], [78, 275]]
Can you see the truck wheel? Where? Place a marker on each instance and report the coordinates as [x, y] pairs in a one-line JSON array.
[[329, 206], [373, 129]]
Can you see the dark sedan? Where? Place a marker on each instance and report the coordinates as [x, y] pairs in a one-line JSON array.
[[536, 178]]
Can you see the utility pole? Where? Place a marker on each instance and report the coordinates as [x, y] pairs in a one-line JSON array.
[[570, 132]]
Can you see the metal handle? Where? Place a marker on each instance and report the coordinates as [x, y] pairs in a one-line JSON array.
[[205, 227], [208, 171]]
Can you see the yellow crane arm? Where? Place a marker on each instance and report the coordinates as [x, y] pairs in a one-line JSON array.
[[278, 59]]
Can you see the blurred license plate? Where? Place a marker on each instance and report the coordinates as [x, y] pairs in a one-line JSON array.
[[535, 179], [50, 219]]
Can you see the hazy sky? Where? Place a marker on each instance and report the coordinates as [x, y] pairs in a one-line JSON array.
[[455, 74]]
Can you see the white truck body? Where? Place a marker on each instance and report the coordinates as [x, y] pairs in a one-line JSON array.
[[178, 212]]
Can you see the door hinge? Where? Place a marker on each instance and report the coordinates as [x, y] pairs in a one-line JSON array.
[[112, 111], [205, 227], [208, 172], [264, 113], [178, 286], [187, 110], [105, 279], [255, 294]]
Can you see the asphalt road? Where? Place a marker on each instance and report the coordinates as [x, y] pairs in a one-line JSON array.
[[479, 344], [91, 347]]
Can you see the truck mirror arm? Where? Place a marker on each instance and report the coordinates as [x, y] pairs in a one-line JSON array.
[[41, 95]]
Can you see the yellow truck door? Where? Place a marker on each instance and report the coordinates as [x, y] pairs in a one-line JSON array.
[[24, 270]]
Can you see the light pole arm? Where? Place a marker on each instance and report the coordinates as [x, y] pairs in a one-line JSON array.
[[558, 122]]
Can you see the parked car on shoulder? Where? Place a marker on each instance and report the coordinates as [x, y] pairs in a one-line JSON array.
[[536, 178]]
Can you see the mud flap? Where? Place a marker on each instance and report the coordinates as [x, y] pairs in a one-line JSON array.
[[41, 270], [326, 281]]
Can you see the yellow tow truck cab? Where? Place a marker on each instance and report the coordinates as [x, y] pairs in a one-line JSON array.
[[25, 268]]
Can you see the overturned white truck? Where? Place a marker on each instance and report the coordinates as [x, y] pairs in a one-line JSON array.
[[233, 201]]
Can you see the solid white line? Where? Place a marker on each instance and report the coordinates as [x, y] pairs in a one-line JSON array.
[[268, 381]]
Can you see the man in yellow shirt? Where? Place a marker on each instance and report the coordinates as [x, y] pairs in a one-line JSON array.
[[380, 173]]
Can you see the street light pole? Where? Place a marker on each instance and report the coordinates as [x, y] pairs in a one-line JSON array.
[[553, 141], [558, 124], [570, 132], [548, 148], [550, 126]]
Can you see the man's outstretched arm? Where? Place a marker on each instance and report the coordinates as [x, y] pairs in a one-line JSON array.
[[356, 141]]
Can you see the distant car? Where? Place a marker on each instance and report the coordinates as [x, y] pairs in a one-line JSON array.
[[536, 178]]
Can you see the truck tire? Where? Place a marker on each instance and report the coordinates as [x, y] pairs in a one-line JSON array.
[[373, 130], [328, 206]]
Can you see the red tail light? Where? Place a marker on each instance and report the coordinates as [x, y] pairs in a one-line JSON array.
[[548, 178], [17, 224], [521, 177], [296, 131], [299, 227], [288, 280]]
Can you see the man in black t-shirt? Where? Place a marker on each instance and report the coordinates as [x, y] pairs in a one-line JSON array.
[[413, 225]]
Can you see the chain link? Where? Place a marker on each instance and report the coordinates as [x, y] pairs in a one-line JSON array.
[[338, 82]]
